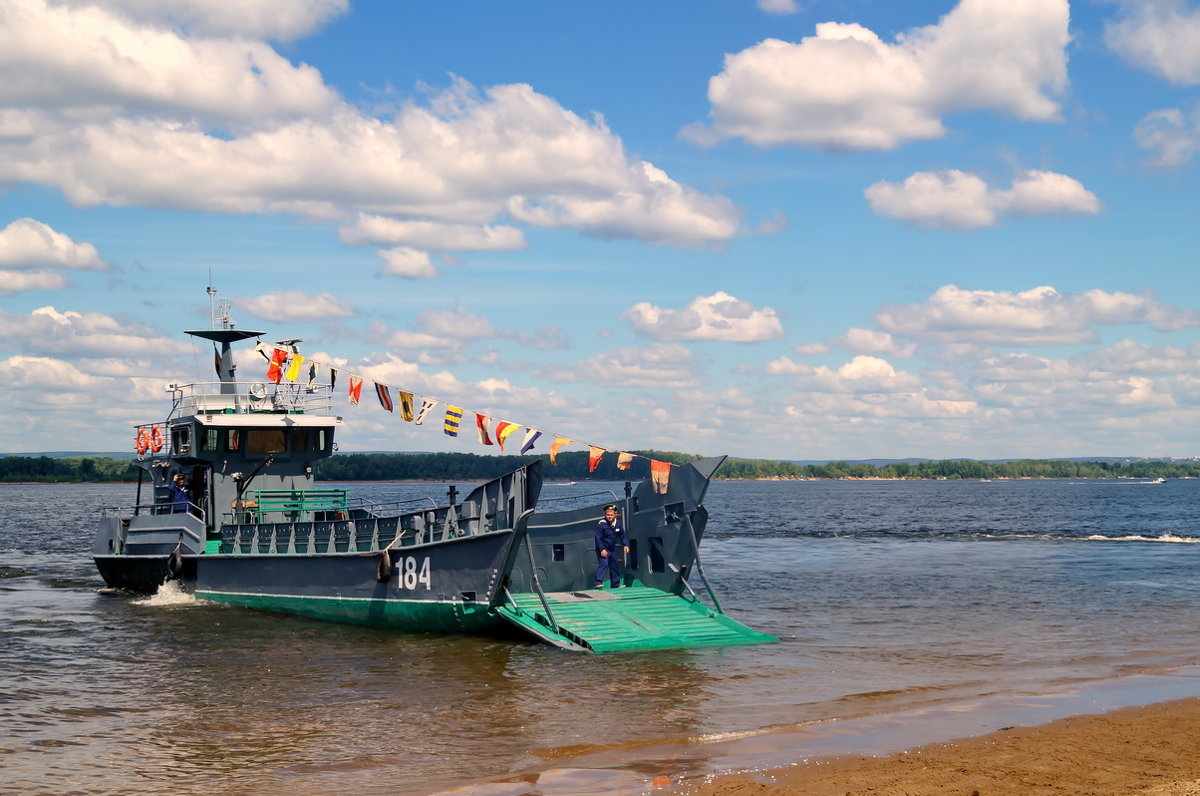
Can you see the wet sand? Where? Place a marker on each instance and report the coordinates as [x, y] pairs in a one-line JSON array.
[[1152, 750]]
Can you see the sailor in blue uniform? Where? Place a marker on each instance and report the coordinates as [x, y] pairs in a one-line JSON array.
[[609, 533], [179, 493]]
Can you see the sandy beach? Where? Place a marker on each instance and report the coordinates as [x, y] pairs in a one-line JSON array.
[[1151, 750]]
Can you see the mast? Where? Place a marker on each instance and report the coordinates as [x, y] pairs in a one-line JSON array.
[[226, 336]]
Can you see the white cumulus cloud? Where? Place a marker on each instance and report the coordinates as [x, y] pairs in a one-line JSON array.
[[21, 281], [658, 365], [26, 243], [872, 341], [954, 199], [48, 331], [716, 317], [1160, 36], [1172, 135], [1130, 357], [44, 373], [1039, 316], [786, 366], [1024, 367], [862, 374], [296, 305], [283, 20], [458, 324], [407, 262], [85, 59], [434, 176], [845, 88], [435, 235], [652, 208]]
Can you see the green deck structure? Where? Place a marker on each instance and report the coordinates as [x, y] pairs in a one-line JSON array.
[[621, 620]]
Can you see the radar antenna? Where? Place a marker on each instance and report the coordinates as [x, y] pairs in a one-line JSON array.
[[224, 305], [211, 291]]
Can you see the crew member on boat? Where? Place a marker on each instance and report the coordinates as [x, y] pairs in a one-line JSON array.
[[609, 533], [179, 494]]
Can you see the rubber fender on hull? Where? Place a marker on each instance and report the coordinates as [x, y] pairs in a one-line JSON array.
[[383, 569], [175, 563]]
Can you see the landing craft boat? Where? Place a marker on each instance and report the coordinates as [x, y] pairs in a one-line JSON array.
[[258, 532]]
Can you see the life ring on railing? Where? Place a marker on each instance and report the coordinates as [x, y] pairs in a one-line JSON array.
[[141, 441], [156, 438]]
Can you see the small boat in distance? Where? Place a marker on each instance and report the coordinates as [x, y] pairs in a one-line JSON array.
[[257, 531]]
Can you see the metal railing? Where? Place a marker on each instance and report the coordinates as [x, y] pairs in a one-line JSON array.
[[152, 509], [308, 505], [336, 536], [387, 508], [575, 499], [249, 397]]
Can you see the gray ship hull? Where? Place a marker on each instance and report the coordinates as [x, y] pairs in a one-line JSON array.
[[441, 586]]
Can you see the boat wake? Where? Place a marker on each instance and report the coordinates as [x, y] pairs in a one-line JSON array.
[[1166, 537], [170, 593]]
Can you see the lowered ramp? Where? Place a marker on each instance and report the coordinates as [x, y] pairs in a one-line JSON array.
[[621, 620]]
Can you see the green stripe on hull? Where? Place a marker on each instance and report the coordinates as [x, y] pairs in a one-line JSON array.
[[411, 615]]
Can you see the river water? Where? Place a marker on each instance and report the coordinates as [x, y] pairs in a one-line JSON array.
[[887, 597]]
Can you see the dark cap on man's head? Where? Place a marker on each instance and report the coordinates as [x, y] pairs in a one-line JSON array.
[[612, 506]]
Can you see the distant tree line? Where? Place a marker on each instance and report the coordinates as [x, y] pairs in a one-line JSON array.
[[44, 469], [573, 466], [962, 468]]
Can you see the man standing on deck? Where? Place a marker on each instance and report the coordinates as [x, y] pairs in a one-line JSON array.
[[609, 532], [179, 494]]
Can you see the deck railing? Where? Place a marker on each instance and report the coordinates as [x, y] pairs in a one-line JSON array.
[[250, 397], [151, 510], [338, 536]]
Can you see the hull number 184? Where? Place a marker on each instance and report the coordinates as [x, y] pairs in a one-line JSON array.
[[410, 573]]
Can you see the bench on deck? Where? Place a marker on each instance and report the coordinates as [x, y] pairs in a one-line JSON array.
[[294, 505]]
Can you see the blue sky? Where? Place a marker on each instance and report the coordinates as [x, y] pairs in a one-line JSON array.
[[775, 229]]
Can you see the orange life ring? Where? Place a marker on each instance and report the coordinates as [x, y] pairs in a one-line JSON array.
[[156, 439], [141, 442]]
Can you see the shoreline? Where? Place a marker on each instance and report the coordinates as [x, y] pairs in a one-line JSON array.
[[1147, 749], [1101, 737]]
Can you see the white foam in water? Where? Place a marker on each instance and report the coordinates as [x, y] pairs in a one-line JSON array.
[[1166, 537], [170, 593]]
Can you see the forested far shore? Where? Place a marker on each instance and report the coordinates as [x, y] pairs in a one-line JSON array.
[[573, 466]]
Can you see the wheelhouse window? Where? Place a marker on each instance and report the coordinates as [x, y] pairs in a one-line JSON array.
[[265, 440], [211, 438], [181, 439], [233, 442], [299, 439]]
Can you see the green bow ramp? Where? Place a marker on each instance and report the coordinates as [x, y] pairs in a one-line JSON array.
[[623, 620]]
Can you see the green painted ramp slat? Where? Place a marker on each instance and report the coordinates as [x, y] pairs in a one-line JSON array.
[[633, 618]]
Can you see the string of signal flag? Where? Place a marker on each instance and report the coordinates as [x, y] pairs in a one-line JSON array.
[[284, 364]]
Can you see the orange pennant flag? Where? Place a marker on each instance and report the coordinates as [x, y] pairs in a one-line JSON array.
[[660, 476], [624, 460], [555, 446], [594, 455]]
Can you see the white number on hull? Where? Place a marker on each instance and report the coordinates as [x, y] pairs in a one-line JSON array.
[[409, 573]]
